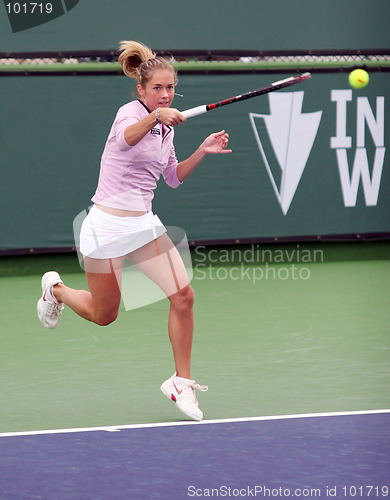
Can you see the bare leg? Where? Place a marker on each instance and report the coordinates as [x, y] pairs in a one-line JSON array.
[[181, 328], [161, 262], [101, 304]]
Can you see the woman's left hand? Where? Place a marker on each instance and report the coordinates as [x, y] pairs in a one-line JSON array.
[[216, 143]]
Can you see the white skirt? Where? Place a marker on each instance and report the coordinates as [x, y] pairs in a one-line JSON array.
[[106, 236]]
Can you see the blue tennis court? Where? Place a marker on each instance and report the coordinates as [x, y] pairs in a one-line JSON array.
[[341, 455]]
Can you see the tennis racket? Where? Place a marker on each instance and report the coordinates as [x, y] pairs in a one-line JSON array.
[[281, 84]]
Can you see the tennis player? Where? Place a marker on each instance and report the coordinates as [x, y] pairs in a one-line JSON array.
[[121, 224]]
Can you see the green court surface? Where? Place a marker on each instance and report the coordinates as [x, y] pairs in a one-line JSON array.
[[301, 335]]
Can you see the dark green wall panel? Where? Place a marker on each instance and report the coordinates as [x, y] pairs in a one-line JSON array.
[[227, 24], [53, 131]]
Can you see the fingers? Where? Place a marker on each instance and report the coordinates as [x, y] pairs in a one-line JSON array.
[[224, 139], [222, 133], [219, 136], [171, 117], [224, 147], [178, 118]]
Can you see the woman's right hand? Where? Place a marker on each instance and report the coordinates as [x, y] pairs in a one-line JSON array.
[[137, 131], [171, 117]]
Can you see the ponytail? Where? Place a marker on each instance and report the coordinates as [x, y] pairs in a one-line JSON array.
[[139, 62], [132, 56]]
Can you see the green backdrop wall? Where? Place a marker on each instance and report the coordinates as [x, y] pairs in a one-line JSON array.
[[219, 24], [310, 160]]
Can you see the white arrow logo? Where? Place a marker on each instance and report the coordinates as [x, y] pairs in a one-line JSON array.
[[292, 134]]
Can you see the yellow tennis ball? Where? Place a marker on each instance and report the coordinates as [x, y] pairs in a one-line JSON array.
[[358, 78]]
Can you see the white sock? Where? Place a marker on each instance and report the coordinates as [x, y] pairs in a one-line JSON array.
[[53, 296], [182, 380]]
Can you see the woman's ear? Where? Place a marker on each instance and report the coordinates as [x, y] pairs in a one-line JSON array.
[[140, 90]]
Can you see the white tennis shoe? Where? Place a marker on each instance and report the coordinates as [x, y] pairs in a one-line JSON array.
[[182, 392], [48, 308]]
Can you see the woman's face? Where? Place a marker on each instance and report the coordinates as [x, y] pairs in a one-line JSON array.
[[159, 91]]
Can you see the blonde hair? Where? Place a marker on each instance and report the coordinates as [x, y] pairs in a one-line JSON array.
[[139, 62]]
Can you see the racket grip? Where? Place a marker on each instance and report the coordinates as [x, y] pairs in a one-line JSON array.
[[199, 110]]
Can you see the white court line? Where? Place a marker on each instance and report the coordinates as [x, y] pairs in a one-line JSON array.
[[116, 428]]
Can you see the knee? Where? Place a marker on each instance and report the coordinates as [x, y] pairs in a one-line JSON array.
[[105, 319], [184, 299]]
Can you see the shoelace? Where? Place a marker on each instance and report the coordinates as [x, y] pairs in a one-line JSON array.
[[202, 388], [189, 390], [54, 310]]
